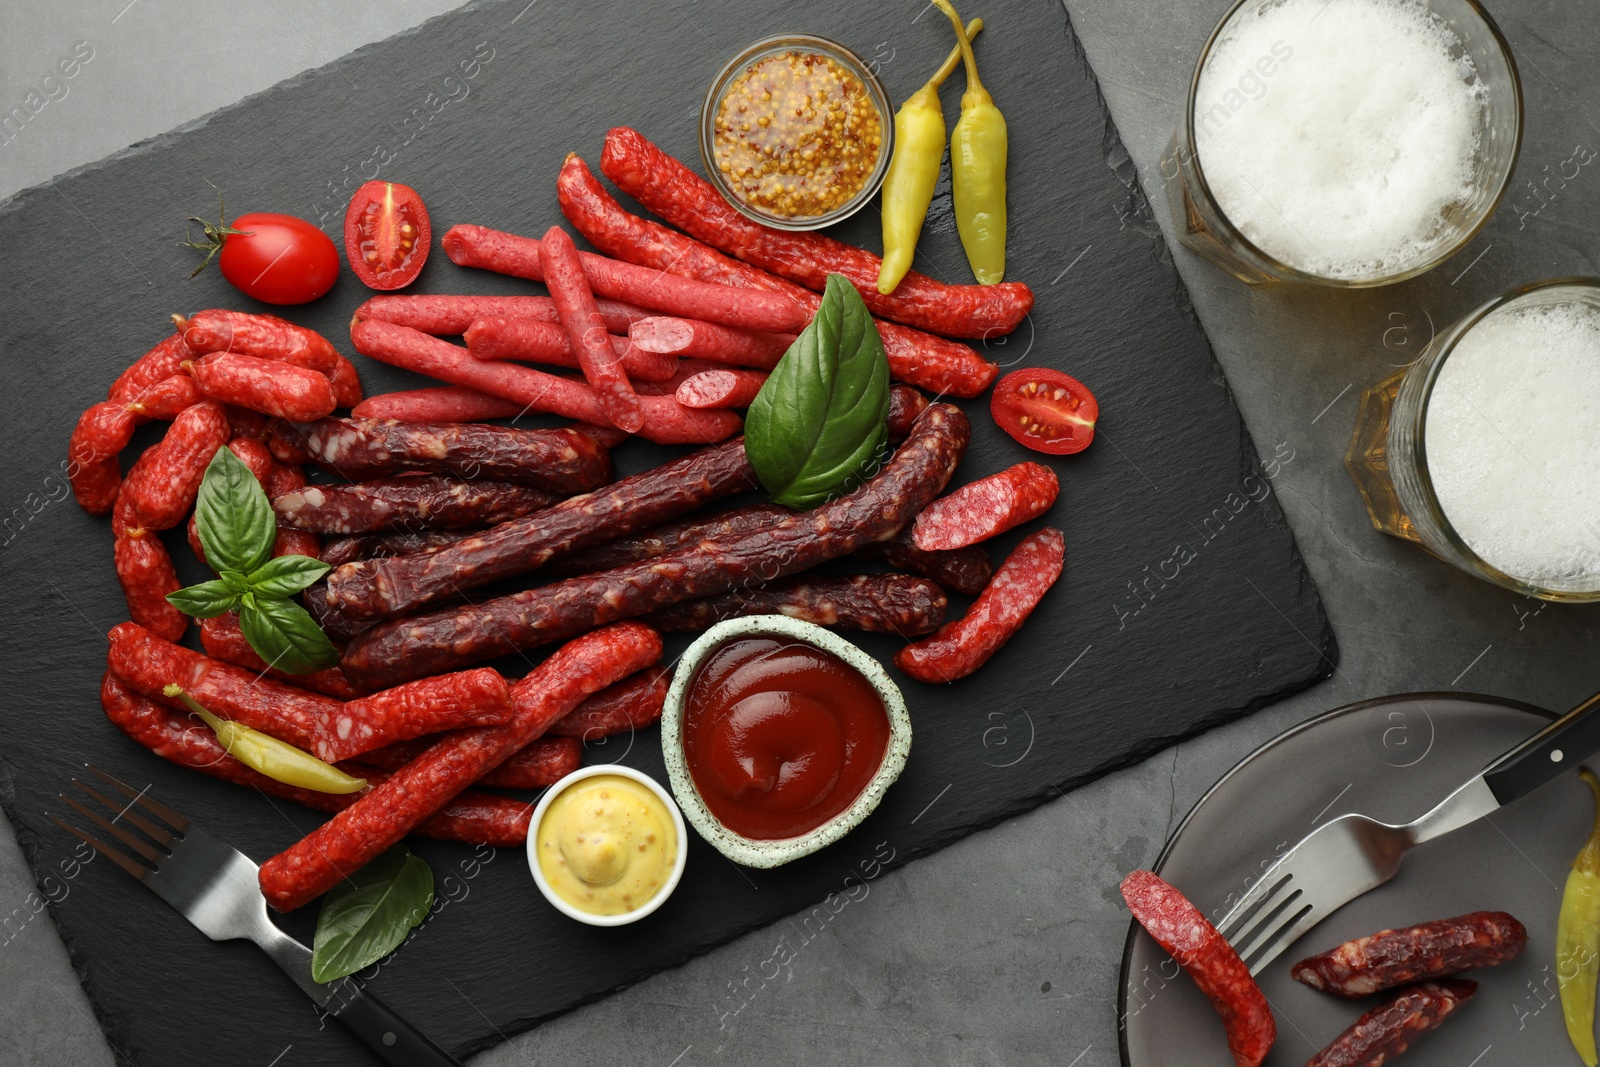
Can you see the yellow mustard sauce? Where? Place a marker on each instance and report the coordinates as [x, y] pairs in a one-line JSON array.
[[607, 845]]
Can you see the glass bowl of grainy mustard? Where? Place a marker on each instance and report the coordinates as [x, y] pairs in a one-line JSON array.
[[796, 132]]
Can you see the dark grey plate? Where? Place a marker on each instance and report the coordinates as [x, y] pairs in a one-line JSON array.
[[1391, 759]]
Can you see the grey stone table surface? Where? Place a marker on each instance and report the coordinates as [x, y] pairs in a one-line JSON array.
[[1003, 948]]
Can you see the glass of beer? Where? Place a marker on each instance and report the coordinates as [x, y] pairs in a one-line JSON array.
[[1487, 449], [1347, 143]]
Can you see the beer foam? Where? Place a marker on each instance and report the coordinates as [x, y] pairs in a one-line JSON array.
[[1335, 135], [1513, 441]]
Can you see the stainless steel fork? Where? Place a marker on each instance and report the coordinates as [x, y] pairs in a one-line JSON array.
[[1347, 856], [214, 886]]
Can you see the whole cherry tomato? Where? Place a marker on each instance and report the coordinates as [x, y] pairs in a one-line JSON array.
[[1045, 410], [386, 234], [277, 259]]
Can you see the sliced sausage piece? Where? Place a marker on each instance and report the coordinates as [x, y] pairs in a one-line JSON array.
[[879, 603], [1181, 931], [1389, 1029], [426, 644], [473, 817], [1430, 950], [429, 501], [724, 388], [389, 587], [986, 508], [562, 461], [710, 341], [962, 646], [387, 813]]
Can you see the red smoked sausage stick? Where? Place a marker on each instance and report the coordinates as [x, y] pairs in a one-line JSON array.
[[473, 817], [446, 403], [562, 461], [725, 388], [547, 342], [1391, 958], [601, 364], [985, 508], [707, 340], [438, 501], [144, 570], [962, 646], [384, 815], [915, 357], [631, 704], [544, 762], [446, 639], [166, 398], [1389, 1029], [161, 362], [443, 314], [670, 294], [667, 188], [398, 586], [93, 469], [665, 420], [263, 336], [264, 385], [222, 639], [1180, 930], [162, 486], [447, 702], [880, 603], [346, 383]]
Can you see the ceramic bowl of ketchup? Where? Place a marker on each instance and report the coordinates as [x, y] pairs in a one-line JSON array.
[[780, 737]]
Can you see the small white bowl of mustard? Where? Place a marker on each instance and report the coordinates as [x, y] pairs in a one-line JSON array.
[[607, 845]]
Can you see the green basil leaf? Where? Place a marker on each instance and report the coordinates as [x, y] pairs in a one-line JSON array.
[[233, 515], [817, 428], [285, 575], [285, 635], [235, 581], [368, 915], [204, 601]]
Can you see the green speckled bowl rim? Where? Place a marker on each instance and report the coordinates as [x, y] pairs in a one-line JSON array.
[[748, 851]]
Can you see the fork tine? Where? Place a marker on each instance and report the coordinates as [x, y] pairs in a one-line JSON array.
[[1266, 921], [120, 834], [125, 811], [138, 870], [1255, 899], [142, 798]]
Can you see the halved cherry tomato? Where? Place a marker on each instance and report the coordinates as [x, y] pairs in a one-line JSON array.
[[1045, 410], [386, 235]]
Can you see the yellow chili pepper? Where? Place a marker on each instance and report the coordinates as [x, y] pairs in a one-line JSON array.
[[978, 169], [275, 759], [914, 170], [1578, 938]]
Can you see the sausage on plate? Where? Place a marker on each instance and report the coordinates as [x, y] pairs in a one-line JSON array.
[[1391, 958]]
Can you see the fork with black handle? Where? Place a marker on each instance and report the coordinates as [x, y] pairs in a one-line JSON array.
[[214, 886]]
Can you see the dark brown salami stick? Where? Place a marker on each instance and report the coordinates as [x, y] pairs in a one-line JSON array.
[[1430, 950], [670, 537], [381, 546], [964, 570], [444, 640], [1388, 1030], [563, 461], [431, 501], [380, 588], [879, 603]]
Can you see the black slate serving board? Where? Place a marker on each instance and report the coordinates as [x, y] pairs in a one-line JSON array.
[[1184, 602]]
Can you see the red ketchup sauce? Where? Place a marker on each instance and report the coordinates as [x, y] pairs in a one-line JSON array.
[[781, 736]]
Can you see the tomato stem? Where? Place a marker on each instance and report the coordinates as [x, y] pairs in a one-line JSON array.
[[215, 234]]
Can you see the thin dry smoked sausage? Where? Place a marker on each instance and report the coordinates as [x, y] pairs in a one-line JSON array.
[[93, 468], [443, 403], [426, 644], [162, 485], [428, 501], [1388, 1030], [384, 815], [272, 388], [1391, 958], [447, 314], [881, 603]]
